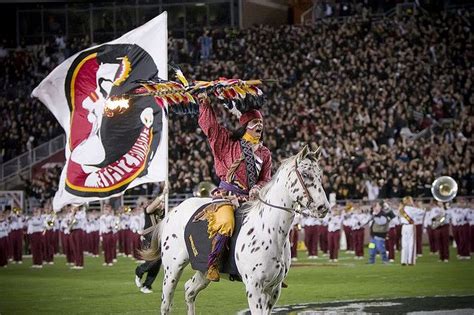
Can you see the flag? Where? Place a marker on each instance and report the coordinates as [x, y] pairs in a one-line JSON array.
[[107, 154]]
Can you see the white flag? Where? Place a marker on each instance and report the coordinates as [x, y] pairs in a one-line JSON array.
[[106, 155]]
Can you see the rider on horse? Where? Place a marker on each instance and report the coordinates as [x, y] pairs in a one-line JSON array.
[[243, 165]]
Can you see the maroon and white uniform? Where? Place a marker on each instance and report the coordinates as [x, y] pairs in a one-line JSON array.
[[35, 231], [391, 241], [430, 232], [470, 219], [440, 231], [125, 235], [136, 226], [66, 239], [334, 235], [48, 238], [106, 230], [17, 224], [4, 231], [77, 233], [311, 235], [359, 220], [323, 235], [460, 225], [294, 236], [347, 226], [94, 238], [419, 220]]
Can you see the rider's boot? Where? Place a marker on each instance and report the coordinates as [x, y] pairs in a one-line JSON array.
[[218, 244]]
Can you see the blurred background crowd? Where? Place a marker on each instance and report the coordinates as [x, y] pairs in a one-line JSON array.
[[388, 101]]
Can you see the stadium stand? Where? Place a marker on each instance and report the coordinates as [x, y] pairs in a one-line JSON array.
[[389, 101]]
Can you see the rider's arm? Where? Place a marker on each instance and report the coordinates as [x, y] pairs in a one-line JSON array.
[[218, 136]]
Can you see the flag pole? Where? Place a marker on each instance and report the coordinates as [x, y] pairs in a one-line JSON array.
[[165, 130]]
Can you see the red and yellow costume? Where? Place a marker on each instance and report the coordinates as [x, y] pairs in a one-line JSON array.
[[231, 167]]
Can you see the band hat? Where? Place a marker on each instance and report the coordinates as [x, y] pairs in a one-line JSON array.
[[250, 115]]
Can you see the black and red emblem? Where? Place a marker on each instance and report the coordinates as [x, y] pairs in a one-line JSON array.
[[108, 153]]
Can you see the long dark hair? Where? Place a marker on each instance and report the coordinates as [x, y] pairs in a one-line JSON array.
[[237, 134]]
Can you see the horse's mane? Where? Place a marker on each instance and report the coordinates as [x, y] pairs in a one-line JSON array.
[[252, 205]]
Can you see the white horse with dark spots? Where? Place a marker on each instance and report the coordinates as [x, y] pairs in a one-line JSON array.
[[262, 251]]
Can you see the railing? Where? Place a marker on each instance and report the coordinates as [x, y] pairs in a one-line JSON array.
[[10, 170]]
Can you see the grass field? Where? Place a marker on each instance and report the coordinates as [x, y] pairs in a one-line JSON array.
[[56, 289]]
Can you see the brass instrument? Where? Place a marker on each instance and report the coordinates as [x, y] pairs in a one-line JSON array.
[[71, 223], [17, 210], [444, 188], [52, 220], [437, 221], [204, 189], [127, 209]]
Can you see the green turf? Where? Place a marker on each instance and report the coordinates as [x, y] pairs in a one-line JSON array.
[[110, 290]]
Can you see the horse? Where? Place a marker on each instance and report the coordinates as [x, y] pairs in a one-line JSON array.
[[262, 252]]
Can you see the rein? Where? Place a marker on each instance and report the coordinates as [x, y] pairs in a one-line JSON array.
[[287, 209], [298, 208]]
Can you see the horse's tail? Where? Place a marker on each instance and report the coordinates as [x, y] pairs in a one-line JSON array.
[[154, 251]]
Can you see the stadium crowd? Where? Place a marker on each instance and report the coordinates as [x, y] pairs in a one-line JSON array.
[[389, 101]]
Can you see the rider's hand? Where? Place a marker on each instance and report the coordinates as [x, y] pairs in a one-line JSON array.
[[203, 98], [254, 192]]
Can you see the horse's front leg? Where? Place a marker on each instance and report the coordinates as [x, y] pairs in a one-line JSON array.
[[191, 289], [274, 296], [259, 300]]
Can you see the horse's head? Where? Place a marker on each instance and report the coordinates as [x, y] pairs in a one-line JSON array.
[[304, 184]]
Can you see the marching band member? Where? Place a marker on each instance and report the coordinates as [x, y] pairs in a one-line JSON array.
[[419, 220], [56, 235], [125, 233], [461, 229], [35, 230], [78, 226], [152, 214], [311, 235], [17, 224], [67, 243], [243, 165], [347, 226], [106, 229], [334, 232], [48, 235], [136, 228], [392, 235], [359, 219], [439, 224], [407, 213], [94, 237], [4, 229], [323, 235], [430, 231], [116, 229]]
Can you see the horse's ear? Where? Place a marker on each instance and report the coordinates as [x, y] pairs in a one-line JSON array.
[[316, 154], [303, 153]]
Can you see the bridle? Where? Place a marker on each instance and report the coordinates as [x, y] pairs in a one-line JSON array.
[[299, 206]]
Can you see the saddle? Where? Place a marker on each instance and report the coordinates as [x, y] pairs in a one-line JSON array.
[[199, 245]]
